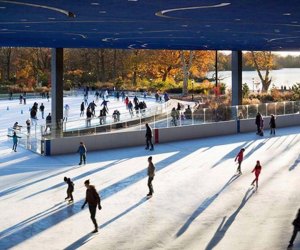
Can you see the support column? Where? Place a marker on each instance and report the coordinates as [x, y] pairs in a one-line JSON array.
[[236, 71], [57, 88]]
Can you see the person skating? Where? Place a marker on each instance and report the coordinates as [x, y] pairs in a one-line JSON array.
[[82, 152], [151, 174], [70, 189], [148, 137], [15, 141], [42, 109], [239, 158], [93, 200], [48, 122], [82, 109], [296, 224], [256, 170], [28, 125], [272, 124]]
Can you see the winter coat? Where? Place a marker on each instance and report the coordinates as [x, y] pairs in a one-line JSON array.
[[151, 170], [256, 170], [272, 122], [70, 185], [81, 149], [148, 132], [240, 156], [92, 197]]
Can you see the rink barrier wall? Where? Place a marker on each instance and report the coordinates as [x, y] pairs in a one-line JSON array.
[[112, 140]]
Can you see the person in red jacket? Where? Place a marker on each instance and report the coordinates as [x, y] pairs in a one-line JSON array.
[[93, 199], [239, 158], [256, 170]]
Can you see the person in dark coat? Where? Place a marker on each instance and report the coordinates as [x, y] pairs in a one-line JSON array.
[[296, 224], [148, 137], [258, 122], [93, 200], [70, 189], [82, 109], [48, 122], [151, 174], [82, 152], [272, 124]]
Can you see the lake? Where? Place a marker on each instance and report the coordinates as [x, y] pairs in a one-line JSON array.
[[282, 77]]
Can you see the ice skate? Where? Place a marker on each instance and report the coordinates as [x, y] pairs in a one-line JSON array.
[[95, 231]]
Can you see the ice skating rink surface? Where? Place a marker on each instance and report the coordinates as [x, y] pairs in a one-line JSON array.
[[199, 202]]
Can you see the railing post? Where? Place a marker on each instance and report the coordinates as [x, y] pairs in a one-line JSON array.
[[204, 109]]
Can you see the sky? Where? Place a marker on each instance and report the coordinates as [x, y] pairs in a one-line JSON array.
[[280, 53]]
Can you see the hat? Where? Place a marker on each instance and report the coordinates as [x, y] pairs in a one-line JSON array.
[[87, 182]]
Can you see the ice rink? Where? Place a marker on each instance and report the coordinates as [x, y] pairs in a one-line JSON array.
[[199, 202]]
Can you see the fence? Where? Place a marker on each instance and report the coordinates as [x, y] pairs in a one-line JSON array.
[[158, 117]]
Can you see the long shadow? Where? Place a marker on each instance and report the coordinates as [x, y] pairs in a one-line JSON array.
[[204, 205], [257, 147], [295, 164], [88, 173], [16, 188], [80, 242], [15, 237], [230, 154], [222, 229]]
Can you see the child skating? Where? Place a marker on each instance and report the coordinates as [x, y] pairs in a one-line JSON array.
[[256, 170], [70, 189], [239, 158]]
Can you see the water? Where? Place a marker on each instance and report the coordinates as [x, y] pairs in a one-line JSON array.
[[282, 77]]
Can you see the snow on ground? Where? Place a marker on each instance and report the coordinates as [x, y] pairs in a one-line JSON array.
[[199, 202]]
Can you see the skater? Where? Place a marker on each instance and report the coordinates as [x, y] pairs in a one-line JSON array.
[[70, 189], [42, 109], [239, 158], [256, 170], [82, 109], [272, 124], [148, 137], [151, 174], [15, 141], [48, 122], [93, 199], [89, 115], [28, 125], [258, 122], [82, 152], [296, 224], [66, 112], [16, 126]]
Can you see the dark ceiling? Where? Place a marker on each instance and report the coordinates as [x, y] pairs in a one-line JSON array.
[[152, 24]]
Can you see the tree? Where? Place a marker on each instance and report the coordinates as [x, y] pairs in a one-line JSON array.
[[262, 61], [186, 60]]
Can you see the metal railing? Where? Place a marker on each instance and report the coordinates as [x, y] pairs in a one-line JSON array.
[[157, 116]]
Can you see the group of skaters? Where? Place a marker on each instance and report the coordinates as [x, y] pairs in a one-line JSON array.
[[259, 121], [177, 113], [134, 107], [257, 170], [92, 197]]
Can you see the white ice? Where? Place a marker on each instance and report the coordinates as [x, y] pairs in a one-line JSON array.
[[198, 202]]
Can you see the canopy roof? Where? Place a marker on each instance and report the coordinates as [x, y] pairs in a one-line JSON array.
[[152, 24]]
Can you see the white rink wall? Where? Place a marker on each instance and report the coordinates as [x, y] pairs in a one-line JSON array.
[[137, 138]]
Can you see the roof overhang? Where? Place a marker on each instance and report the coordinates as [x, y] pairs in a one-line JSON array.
[[152, 24]]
